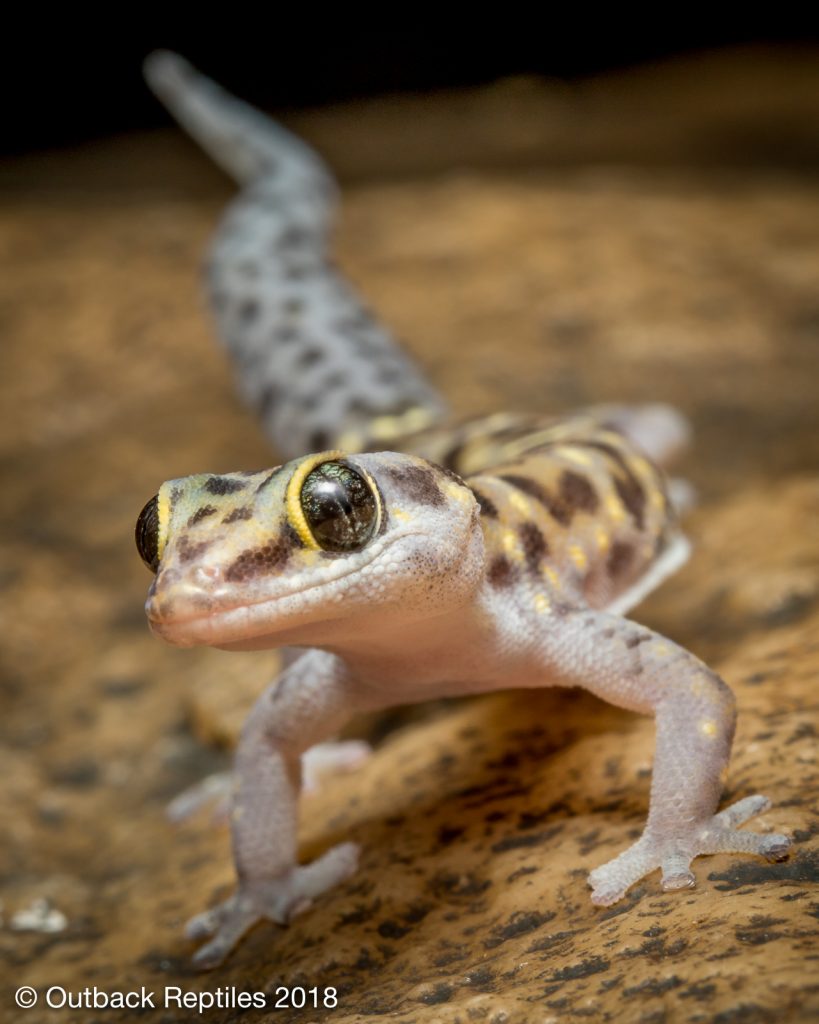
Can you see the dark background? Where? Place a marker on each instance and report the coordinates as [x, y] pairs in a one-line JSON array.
[[82, 81]]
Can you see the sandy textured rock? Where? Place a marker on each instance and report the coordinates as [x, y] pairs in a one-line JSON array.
[[695, 283]]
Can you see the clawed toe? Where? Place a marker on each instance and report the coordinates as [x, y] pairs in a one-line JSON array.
[[605, 896], [776, 848], [681, 880], [742, 811], [209, 956], [203, 925], [212, 954]]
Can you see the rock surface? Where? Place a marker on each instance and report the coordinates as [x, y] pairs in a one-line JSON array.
[[594, 273]]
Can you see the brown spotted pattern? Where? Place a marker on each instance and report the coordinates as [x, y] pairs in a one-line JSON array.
[[501, 572], [629, 488], [581, 510], [269, 478], [220, 485], [417, 483], [189, 551], [620, 559], [577, 493], [201, 513], [556, 508], [238, 514], [534, 545], [265, 559]]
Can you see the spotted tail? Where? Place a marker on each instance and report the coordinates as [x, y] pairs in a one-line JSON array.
[[310, 357]]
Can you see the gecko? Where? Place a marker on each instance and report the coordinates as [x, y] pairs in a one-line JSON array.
[[409, 558]]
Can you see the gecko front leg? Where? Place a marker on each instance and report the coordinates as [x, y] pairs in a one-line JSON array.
[[632, 667], [309, 702]]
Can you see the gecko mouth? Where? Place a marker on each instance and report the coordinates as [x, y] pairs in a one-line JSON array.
[[245, 620]]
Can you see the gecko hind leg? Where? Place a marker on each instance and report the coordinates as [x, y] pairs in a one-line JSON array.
[[324, 760], [212, 791], [320, 762], [611, 881]]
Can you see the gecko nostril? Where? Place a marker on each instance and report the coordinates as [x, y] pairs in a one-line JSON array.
[[206, 574]]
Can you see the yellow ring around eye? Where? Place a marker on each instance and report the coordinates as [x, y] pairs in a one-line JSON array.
[[292, 499], [163, 513]]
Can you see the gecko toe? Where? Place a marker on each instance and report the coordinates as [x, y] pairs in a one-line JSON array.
[[741, 811], [214, 952], [775, 848], [606, 895], [203, 925], [680, 880], [611, 881], [676, 871]]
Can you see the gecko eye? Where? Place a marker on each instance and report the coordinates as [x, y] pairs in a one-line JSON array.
[[339, 506], [147, 534]]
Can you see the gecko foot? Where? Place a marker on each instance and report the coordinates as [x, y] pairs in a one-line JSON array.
[[673, 853], [273, 899]]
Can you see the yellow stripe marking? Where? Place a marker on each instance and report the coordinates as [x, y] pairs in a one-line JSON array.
[[520, 504], [578, 556], [615, 508], [497, 421], [383, 428], [352, 441], [573, 454], [163, 512], [552, 577], [511, 547], [418, 417]]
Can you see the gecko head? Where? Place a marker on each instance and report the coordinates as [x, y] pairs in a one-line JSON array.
[[310, 552]]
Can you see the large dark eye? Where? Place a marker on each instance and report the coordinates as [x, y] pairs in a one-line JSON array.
[[339, 506], [147, 534]]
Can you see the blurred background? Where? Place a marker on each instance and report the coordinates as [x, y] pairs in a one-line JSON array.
[[80, 80]]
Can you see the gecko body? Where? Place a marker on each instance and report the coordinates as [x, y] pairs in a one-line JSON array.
[[498, 553]]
